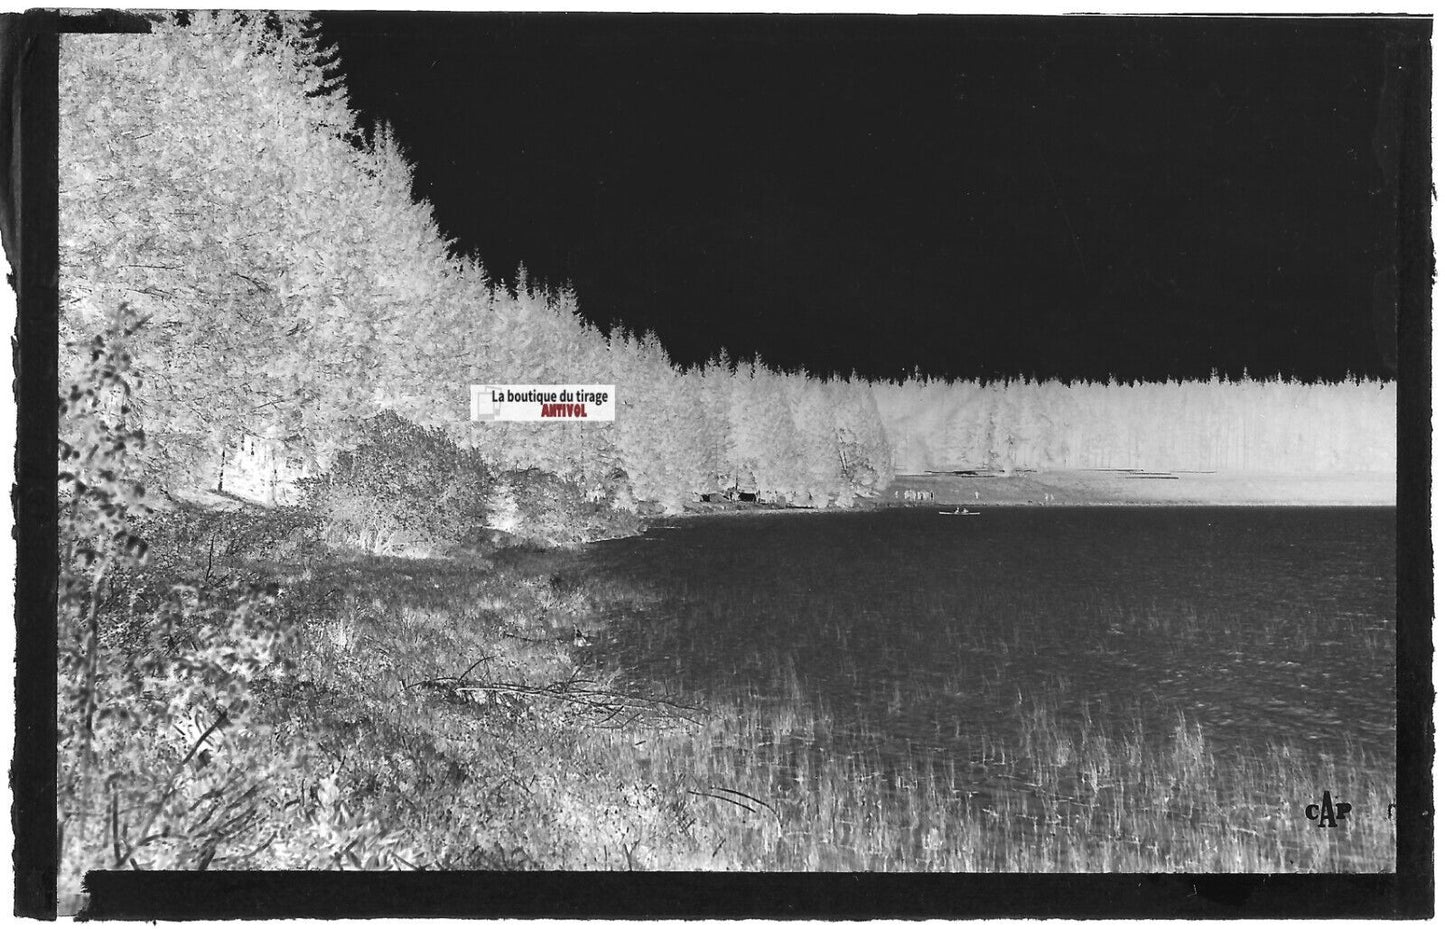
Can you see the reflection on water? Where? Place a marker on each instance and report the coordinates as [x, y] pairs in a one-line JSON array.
[[924, 636]]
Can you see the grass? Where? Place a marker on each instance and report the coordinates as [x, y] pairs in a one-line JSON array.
[[777, 798], [445, 713]]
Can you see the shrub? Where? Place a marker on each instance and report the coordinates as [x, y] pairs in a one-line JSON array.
[[201, 547], [541, 508], [97, 495], [402, 489], [160, 761], [208, 538]]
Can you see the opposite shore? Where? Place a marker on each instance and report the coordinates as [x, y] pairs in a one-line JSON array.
[[1115, 487]]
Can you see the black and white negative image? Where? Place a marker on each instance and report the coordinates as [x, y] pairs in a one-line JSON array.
[[1002, 476]]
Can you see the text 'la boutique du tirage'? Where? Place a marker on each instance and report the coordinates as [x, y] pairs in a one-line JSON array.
[[530, 403]]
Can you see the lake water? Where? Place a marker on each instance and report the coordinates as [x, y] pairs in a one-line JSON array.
[[924, 634]]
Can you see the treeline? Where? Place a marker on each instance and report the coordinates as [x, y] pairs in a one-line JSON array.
[[1215, 425], [293, 288], [721, 428]]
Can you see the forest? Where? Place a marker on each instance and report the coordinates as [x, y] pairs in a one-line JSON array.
[[1216, 425], [292, 286]]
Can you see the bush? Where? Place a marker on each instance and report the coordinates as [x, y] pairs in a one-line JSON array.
[[163, 760], [143, 777], [541, 508], [209, 538], [200, 547], [402, 490]]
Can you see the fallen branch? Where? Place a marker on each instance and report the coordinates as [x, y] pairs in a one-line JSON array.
[[609, 702], [447, 682], [746, 797]]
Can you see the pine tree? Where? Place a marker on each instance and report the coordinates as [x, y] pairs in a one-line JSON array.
[[254, 238], [721, 450], [780, 465], [649, 436], [819, 474], [749, 437], [863, 447]]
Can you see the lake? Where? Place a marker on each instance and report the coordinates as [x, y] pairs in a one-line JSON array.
[[931, 637]]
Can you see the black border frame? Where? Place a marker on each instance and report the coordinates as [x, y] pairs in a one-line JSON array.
[[28, 85]]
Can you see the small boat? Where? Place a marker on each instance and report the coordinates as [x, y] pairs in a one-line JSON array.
[[959, 511]]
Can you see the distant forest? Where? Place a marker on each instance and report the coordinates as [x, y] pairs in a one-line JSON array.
[[1217, 425], [215, 182]]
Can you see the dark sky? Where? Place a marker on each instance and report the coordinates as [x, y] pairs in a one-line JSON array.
[[970, 197]]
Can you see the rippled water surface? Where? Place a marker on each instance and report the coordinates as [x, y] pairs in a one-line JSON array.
[[928, 632]]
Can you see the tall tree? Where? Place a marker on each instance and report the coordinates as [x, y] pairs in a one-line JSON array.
[[259, 240], [819, 473]]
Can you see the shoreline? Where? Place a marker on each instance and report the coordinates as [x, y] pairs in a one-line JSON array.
[[1119, 487]]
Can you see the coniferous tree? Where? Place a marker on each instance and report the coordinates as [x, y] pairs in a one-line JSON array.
[[749, 449], [701, 423], [716, 399], [863, 448], [255, 238], [819, 472], [649, 435], [781, 466]]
